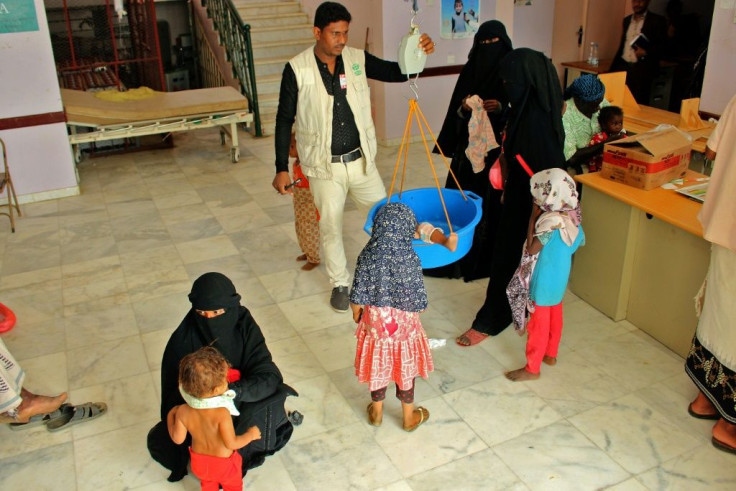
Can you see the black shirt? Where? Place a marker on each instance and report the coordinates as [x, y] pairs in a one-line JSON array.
[[345, 135]]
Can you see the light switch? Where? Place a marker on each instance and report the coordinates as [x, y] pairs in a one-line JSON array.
[[450, 58]]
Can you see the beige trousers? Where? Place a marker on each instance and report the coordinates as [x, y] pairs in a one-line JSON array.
[[364, 188]]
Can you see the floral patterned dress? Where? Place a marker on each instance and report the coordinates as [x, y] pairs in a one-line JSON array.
[[392, 346]]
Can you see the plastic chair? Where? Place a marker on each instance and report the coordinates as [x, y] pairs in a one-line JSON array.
[[6, 185]]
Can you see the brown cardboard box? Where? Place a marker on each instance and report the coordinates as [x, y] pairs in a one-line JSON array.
[[647, 160]]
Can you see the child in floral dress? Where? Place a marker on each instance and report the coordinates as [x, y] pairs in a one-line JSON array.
[[387, 296]]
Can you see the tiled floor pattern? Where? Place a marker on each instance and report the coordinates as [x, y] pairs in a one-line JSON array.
[[99, 281]]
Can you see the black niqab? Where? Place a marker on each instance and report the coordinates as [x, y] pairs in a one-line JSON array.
[[213, 291], [479, 77]]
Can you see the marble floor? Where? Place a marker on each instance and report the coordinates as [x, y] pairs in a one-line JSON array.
[[99, 281]]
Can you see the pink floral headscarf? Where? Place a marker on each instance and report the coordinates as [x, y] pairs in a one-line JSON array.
[[554, 192]]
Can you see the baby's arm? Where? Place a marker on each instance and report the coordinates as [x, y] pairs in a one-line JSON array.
[[233, 441], [177, 430]]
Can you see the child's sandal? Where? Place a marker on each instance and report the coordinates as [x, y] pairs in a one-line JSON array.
[[374, 422]]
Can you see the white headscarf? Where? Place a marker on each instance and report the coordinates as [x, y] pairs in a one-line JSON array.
[[554, 192]]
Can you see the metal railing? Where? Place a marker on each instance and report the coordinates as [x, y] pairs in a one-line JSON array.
[[234, 36]]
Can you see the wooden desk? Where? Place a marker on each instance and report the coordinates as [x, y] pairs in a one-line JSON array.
[[644, 258], [645, 118], [573, 69]]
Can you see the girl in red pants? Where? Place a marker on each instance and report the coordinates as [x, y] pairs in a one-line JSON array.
[[553, 236]]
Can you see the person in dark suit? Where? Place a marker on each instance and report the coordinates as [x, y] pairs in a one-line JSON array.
[[640, 61]]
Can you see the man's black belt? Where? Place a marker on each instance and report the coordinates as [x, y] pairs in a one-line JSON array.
[[348, 157]]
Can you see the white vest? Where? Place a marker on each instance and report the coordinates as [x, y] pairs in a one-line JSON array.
[[313, 126]]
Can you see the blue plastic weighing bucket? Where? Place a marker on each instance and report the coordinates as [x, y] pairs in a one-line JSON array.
[[426, 204]]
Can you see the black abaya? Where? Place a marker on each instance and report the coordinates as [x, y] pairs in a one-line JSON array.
[[534, 131], [260, 391], [479, 77]]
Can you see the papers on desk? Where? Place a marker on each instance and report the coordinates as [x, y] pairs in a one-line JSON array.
[[696, 192]]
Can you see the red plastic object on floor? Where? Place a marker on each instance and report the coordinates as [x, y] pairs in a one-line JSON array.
[[7, 318]]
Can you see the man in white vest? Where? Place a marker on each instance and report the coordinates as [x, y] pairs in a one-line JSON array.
[[325, 97]]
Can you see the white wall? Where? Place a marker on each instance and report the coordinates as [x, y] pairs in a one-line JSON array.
[[533, 26], [39, 157], [719, 84]]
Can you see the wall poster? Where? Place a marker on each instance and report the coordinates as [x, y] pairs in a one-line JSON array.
[[18, 16], [459, 19]]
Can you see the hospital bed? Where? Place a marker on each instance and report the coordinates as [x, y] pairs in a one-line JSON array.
[[161, 112]]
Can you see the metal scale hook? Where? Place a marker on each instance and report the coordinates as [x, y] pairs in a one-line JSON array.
[[412, 26]]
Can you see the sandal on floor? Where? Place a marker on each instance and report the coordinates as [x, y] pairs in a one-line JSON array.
[[702, 416], [471, 337], [83, 412], [723, 446], [41, 419], [423, 416], [373, 422]]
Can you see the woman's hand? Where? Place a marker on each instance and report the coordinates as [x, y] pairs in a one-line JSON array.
[[492, 106], [464, 103]]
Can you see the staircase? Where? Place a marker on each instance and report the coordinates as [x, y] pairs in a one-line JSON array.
[[279, 30]]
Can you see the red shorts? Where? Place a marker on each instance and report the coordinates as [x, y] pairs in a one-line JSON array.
[[214, 472]]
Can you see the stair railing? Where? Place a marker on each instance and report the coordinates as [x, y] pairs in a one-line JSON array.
[[234, 36]]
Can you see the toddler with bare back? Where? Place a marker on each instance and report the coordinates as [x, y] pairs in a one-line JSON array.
[[203, 383]]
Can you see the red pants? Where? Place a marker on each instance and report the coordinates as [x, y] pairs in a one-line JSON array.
[[544, 332], [214, 472]]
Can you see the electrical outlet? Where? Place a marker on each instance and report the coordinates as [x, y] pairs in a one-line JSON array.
[[450, 58]]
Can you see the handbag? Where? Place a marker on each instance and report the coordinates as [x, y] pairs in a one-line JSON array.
[[495, 176]]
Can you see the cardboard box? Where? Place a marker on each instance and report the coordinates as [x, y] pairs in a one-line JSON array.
[[647, 160]]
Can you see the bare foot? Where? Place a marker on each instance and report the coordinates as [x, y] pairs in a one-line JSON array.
[[34, 404], [451, 242], [303, 257], [521, 375], [309, 266], [470, 337], [550, 360], [725, 432]]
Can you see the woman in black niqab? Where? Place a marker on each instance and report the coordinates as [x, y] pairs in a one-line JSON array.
[[478, 77], [260, 392], [534, 131]]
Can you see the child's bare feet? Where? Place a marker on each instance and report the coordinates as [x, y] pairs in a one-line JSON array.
[[309, 266], [303, 257], [521, 375], [34, 404], [550, 360], [452, 242]]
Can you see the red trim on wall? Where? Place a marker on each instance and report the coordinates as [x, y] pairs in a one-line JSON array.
[[32, 120], [437, 71]]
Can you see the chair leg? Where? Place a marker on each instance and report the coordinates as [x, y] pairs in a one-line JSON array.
[[15, 198], [12, 203]]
